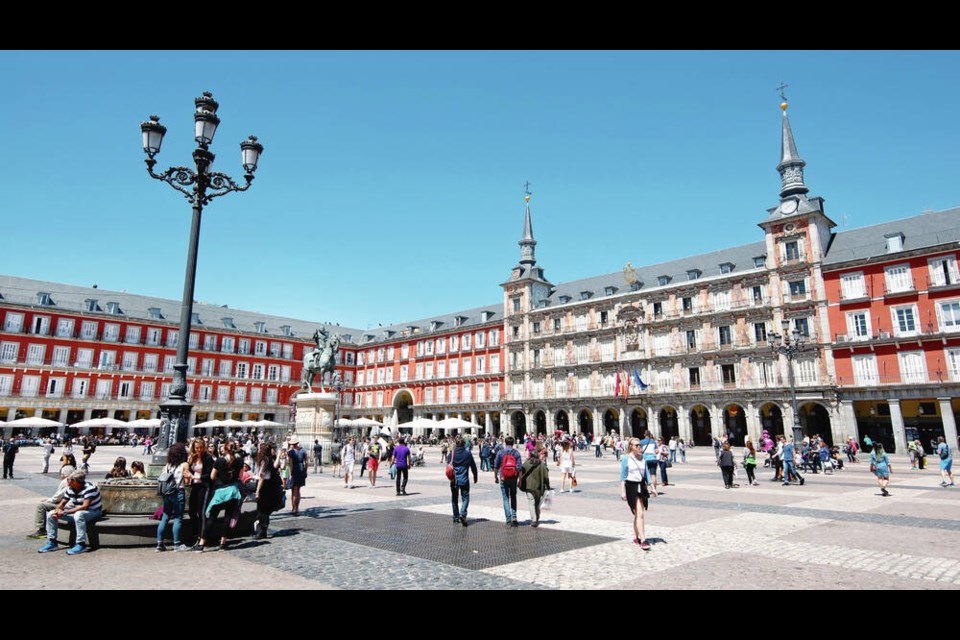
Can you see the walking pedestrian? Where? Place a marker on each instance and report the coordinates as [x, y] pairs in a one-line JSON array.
[[946, 462], [506, 473], [673, 449], [269, 490], [633, 489], [789, 462], [535, 482], [348, 455], [663, 459], [880, 466], [10, 451], [373, 461], [649, 448], [47, 452], [297, 463], [726, 464], [912, 452], [317, 456], [400, 459], [335, 459], [566, 463], [173, 503], [750, 462], [682, 448], [463, 463]]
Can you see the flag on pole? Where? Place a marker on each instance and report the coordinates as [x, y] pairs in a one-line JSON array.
[[616, 388], [639, 381], [626, 384]]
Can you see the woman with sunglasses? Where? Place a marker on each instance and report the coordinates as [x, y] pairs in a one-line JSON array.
[[633, 489]]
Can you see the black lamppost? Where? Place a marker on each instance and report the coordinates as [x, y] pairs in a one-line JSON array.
[[199, 186], [790, 344]]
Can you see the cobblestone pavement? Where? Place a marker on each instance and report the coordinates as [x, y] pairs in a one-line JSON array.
[[834, 532]]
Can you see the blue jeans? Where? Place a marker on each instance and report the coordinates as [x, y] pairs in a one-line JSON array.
[[80, 518], [172, 510], [599, 454], [673, 455], [683, 455], [789, 468], [508, 490], [663, 471], [460, 511], [484, 463]]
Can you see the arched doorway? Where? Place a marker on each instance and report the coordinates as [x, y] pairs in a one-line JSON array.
[[771, 419], [611, 421], [495, 423], [540, 420], [518, 422], [735, 424], [873, 419], [638, 422], [403, 404], [702, 431], [669, 426], [562, 421], [815, 420], [585, 421], [923, 421]]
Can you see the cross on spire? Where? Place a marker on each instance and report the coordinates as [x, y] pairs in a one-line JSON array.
[[781, 88], [526, 188]]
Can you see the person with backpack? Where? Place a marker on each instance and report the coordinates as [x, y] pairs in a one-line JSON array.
[[170, 486], [462, 463], [506, 472], [535, 482], [946, 462], [649, 448], [727, 465]]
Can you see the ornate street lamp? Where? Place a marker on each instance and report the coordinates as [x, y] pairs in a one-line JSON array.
[[199, 186], [790, 344]]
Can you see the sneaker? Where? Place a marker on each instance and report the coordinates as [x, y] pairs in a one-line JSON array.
[[802, 480], [786, 484], [161, 548], [197, 547], [514, 523], [456, 520], [463, 520], [180, 547], [534, 524], [77, 549], [38, 535], [645, 545], [508, 524], [50, 546]]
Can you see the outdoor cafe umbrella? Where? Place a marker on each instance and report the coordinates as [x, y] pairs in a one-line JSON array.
[[97, 423], [456, 423], [144, 423], [33, 423]]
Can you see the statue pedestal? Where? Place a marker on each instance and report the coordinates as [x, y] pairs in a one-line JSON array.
[[314, 421]]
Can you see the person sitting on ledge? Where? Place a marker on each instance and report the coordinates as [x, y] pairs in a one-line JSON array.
[[136, 468], [119, 469], [81, 503], [48, 505]]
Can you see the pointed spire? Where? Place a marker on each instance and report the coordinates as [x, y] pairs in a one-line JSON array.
[[791, 165], [527, 243]]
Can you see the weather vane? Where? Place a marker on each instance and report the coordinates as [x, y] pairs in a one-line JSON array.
[[526, 188], [781, 88]]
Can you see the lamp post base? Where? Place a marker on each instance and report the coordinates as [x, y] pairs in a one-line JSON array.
[[174, 426]]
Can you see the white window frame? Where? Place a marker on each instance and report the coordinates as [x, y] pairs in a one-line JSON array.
[[939, 277], [61, 356], [897, 330], [852, 286], [948, 320], [856, 332], [88, 330], [865, 369], [899, 278], [65, 327], [36, 353], [9, 352], [913, 367], [13, 323]]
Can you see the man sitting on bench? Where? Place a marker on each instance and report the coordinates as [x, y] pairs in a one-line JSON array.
[[81, 504]]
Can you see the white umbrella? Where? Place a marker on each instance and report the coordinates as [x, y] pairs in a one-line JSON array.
[[266, 424], [31, 423], [208, 424], [366, 422], [456, 423], [144, 423], [99, 422], [346, 422], [232, 424], [420, 423]]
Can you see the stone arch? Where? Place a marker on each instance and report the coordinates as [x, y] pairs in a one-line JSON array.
[[735, 423], [669, 422], [700, 422], [771, 419], [540, 422], [585, 421], [518, 424], [403, 406], [611, 421], [815, 420], [638, 422], [562, 421]]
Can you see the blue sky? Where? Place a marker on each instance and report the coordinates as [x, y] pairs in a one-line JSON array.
[[392, 182]]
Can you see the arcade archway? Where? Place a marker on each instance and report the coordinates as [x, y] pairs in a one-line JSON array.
[[702, 430]]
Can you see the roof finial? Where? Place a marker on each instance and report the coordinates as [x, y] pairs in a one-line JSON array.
[[791, 165], [783, 86], [527, 243], [526, 191]]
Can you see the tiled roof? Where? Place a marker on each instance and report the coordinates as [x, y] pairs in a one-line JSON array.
[[925, 230]]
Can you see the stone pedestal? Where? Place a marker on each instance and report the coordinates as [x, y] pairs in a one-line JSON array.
[[314, 421]]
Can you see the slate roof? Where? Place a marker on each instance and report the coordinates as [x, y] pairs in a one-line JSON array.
[[471, 318], [925, 230]]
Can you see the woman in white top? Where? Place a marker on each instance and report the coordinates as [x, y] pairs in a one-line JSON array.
[[567, 463], [633, 489]]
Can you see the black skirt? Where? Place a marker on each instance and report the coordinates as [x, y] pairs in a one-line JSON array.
[[636, 490]]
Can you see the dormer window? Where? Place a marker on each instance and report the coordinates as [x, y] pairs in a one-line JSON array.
[[759, 262], [636, 286], [693, 274], [663, 280], [227, 323], [346, 338], [285, 330], [565, 299], [387, 334], [485, 316], [609, 291], [369, 337], [726, 267], [459, 320], [44, 300], [155, 313], [435, 325], [195, 318], [585, 295], [91, 305], [113, 308], [894, 242], [260, 326]]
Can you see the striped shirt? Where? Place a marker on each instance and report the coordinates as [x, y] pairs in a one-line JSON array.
[[88, 492]]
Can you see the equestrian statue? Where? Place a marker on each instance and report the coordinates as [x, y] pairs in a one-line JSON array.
[[323, 358]]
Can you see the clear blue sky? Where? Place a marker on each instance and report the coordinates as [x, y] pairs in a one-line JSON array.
[[391, 186]]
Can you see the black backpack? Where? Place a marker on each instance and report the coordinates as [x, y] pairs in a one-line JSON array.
[[167, 484]]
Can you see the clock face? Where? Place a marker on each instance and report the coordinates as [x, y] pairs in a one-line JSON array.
[[788, 206]]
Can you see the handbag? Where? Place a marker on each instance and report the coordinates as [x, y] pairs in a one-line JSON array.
[[547, 500], [449, 469], [573, 481]]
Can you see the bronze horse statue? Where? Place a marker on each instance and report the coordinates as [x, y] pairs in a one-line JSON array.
[[322, 359]]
